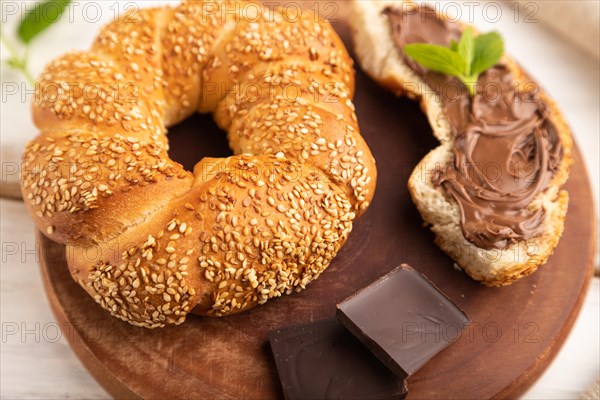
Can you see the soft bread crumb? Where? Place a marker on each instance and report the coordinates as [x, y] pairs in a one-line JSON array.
[[379, 57]]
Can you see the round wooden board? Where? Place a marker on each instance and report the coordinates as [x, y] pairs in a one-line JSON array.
[[516, 330]]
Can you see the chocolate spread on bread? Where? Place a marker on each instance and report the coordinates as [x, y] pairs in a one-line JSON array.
[[506, 150]]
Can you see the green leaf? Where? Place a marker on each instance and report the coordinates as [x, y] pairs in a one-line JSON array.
[[436, 58], [464, 60], [489, 48], [14, 63], [466, 49], [471, 83], [44, 14]]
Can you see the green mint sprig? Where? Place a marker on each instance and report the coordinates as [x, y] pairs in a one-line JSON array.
[[465, 60], [38, 19]]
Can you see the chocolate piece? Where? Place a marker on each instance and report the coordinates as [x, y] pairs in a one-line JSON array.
[[322, 360], [403, 319], [506, 149]]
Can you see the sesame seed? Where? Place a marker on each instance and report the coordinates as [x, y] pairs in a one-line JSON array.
[[150, 285]]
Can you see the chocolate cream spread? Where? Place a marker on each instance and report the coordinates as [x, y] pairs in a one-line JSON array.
[[506, 150]]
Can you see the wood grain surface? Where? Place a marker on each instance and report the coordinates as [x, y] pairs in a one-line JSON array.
[[516, 330]]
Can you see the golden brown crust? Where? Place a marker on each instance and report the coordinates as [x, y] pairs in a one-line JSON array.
[[379, 57], [151, 241]]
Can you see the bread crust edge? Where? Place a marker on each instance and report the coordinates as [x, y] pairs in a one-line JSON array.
[[380, 59]]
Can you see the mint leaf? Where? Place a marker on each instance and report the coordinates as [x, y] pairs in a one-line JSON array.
[[489, 48], [465, 60], [466, 49], [44, 14], [14, 63], [436, 58]]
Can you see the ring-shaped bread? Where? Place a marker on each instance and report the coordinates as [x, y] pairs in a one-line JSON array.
[[150, 241]]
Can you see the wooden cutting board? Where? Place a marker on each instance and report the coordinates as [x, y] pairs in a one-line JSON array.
[[516, 330]]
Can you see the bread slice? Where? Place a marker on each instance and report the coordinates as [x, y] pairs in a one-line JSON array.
[[380, 58]]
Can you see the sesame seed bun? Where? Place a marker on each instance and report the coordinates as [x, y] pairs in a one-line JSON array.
[[152, 242]]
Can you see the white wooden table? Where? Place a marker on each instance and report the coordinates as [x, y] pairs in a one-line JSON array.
[[36, 362]]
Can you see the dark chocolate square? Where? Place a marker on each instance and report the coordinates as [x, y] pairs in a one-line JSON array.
[[403, 319], [322, 360]]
